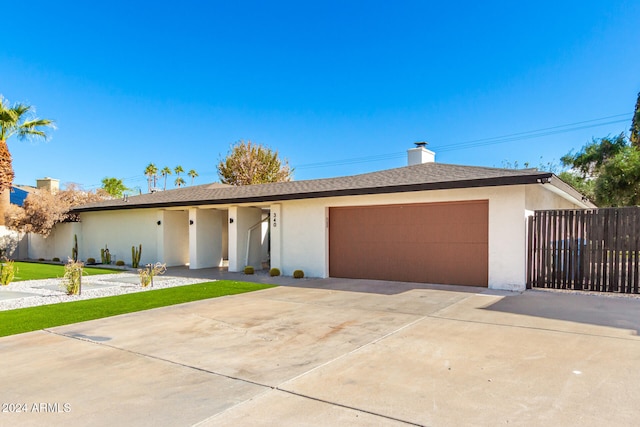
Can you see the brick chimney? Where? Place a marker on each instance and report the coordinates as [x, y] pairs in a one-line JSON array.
[[419, 155]]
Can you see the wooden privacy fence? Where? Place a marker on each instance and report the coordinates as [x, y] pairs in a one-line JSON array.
[[590, 250]]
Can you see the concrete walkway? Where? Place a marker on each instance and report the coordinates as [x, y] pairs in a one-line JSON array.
[[336, 352]]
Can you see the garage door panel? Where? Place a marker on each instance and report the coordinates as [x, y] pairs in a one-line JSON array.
[[430, 243]]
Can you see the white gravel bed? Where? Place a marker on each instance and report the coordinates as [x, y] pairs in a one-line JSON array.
[[589, 293], [49, 291]]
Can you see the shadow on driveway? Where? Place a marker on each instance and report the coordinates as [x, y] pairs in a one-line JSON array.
[[380, 287], [601, 310]]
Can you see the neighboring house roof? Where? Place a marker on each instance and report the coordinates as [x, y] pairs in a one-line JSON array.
[[19, 193], [426, 176]]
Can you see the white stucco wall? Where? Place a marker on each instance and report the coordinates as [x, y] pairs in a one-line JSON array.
[[539, 197], [173, 235], [205, 238], [120, 230], [14, 244], [276, 235], [58, 244], [303, 235], [224, 227]]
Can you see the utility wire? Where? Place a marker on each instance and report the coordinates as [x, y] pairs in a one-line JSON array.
[[551, 128], [537, 133], [518, 136], [471, 144]]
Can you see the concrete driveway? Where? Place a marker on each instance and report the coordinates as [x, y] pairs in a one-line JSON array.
[[336, 352]]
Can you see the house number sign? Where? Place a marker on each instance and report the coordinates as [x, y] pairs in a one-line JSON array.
[[274, 217]]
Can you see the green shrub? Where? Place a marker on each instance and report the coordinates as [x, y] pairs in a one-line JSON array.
[[56, 259], [248, 270], [147, 274], [91, 260], [7, 271], [40, 259], [298, 274], [274, 272], [72, 279], [120, 263]]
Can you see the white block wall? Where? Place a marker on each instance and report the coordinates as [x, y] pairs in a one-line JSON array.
[[120, 230]]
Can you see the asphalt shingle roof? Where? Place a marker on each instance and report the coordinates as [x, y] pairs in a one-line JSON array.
[[427, 176]]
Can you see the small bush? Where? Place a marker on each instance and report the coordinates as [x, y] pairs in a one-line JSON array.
[[40, 259], [56, 259], [120, 263], [248, 270], [91, 260], [7, 272], [149, 272], [72, 279], [274, 272], [298, 274]]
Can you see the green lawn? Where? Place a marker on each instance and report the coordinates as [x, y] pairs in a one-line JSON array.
[[36, 271], [46, 316]]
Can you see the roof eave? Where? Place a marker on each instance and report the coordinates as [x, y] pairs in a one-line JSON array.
[[570, 193], [444, 185]]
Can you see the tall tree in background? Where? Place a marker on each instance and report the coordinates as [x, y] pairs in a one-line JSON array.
[[178, 170], [114, 187], [607, 170], [618, 183], [19, 120], [42, 210], [588, 162], [151, 171], [248, 163], [192, 174], [165, 172], [179, 182], [635, 125]]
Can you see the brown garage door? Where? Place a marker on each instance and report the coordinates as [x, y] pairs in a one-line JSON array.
[[429, 243]]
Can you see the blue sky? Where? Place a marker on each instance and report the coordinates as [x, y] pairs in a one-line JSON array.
[[337, 87]]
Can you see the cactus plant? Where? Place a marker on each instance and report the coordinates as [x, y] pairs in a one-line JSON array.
[[135, 256], [72, 279], [105, 256], [74, 250]]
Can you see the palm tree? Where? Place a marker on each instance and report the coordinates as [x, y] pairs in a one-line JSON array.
[[179, 182], [165, 172], [178, 170], [18, 119], [114, 187], [151, 171], [192, 173]]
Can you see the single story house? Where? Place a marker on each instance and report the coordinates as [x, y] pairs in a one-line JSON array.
[[426, 222]]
